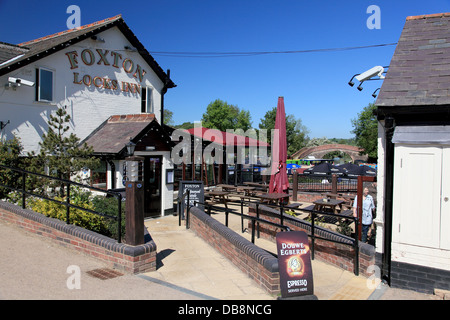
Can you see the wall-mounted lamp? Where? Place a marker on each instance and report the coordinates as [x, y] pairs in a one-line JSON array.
[[98, 39], [374, 94], [17, 82], [351, 83], [375, 73], [131, 146]]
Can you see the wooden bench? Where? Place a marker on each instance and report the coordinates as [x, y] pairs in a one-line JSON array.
[[348, 212], [309, 208], [294, 205]]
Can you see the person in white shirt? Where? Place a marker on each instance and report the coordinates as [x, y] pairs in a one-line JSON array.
[[367, 206]]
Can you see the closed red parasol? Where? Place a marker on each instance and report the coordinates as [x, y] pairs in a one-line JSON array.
[[278, 180]]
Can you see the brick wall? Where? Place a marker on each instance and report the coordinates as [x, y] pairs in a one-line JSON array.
[[259, 265], [419, 278], [308, 196], [129, 259], [340, 255]]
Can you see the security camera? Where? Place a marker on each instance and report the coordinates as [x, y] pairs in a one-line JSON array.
[[366, 75], [18, 82]]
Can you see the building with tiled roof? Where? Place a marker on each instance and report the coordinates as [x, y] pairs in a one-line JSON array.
[[111, 87], [413, 110]]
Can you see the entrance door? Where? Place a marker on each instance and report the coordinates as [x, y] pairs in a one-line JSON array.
[[445, 200], [421, 196], [152, 185]]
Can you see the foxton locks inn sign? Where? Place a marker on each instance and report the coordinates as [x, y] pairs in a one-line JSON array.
[[107, 58]]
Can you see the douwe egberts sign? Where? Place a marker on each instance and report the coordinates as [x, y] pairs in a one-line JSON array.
[[294, 264]]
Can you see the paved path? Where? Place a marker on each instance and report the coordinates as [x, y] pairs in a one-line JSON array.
[[33, 267], [208, 272]]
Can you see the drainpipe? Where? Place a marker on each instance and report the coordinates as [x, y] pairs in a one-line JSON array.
[[163, 92], [388, 198], [113, 173]]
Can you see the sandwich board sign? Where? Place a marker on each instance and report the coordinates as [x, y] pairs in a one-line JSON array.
[[294, 264], [196, 193]]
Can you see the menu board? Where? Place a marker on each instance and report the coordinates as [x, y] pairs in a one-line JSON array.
[[196, 193]]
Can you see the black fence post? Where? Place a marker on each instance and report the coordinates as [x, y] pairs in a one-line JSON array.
[[253, 230], [23, 190], [313, 217], [281, 212], [294, 185], [226, 217], [188, 203], [356, 247], [257, 216], [68, 204], [179, 209], [119, 219], [242, 215]]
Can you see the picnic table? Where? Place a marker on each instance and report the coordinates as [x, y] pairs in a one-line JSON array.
[[273, 197], [247, 191], [257, 185], [227, 187], [331, 204], [219, 196]]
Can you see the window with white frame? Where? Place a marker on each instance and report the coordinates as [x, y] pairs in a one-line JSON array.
[[44, 85], [147, 100]]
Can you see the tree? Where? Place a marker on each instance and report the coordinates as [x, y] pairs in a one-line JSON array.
[[296, 133], [10, 151], [366, 131], [185, 125], [222, 116], [168, 117], [62, 154]]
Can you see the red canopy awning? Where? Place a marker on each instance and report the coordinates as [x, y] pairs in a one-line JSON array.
[[226, 138]]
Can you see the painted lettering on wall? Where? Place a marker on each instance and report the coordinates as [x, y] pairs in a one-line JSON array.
[[105, 57]]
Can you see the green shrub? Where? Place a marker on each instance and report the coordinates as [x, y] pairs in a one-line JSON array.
[[77, 217], [110, 206]]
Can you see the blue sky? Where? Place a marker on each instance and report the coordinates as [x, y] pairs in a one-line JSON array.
[[314, 85]]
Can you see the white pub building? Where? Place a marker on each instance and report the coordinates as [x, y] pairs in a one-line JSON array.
[[113, 91]]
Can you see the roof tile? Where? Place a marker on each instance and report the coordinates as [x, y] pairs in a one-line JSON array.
[[419, 72]]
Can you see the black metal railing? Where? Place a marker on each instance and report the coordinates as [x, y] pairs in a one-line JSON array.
[[353, 243], [243, 216], [256, 220], [323, 183], [315, 215], [209, 207], [67, 203]]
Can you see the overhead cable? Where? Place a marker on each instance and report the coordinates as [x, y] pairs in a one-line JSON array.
[[197, 54]]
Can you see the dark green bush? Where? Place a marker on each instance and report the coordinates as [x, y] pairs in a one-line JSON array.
[[110, 206]]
